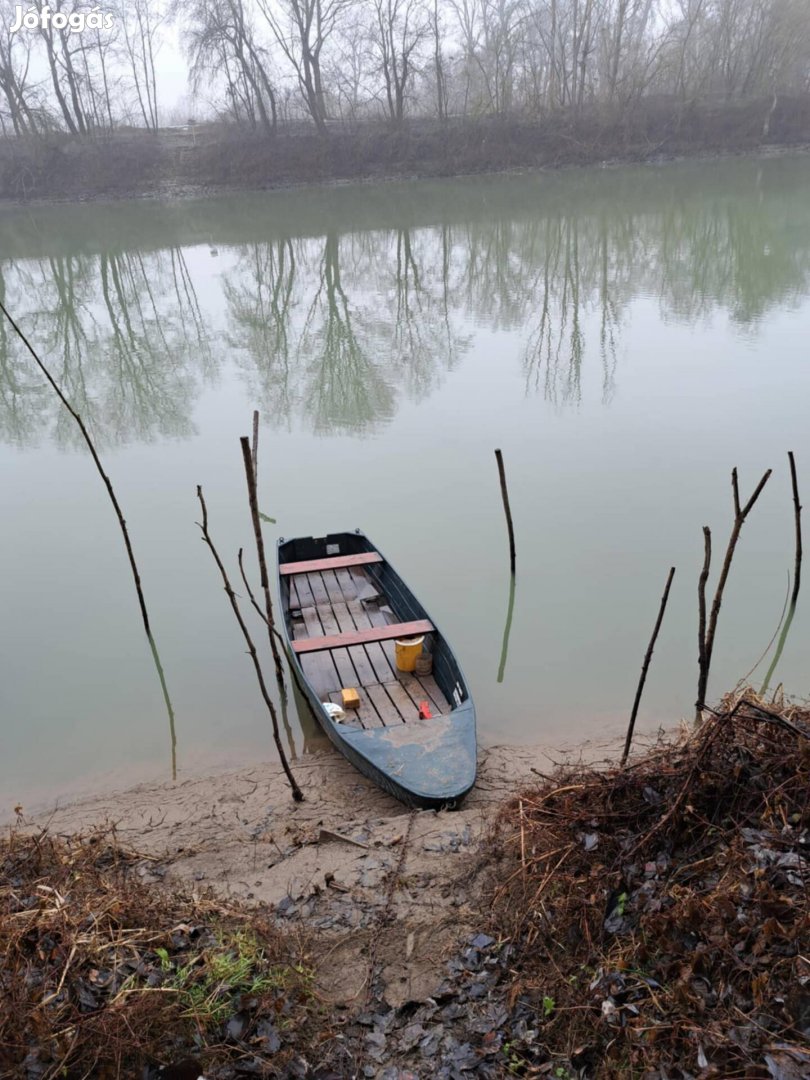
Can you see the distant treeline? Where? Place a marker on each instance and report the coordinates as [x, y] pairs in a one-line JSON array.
[[84, 68]]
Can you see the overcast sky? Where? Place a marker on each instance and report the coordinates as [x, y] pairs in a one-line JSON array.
[[171, 67], [172, 72]]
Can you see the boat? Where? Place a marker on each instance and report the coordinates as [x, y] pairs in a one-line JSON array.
[[347, 614]]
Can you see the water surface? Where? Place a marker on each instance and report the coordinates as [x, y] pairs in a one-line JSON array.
[[625, 336]]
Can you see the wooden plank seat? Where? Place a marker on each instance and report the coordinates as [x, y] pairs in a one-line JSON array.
[[334, 562], [363, 637]]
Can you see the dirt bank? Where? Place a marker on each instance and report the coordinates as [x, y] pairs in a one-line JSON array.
[[325, 863], [605, 922], [213, 159]]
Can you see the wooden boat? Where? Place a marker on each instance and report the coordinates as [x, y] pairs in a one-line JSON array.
[[344, 608]]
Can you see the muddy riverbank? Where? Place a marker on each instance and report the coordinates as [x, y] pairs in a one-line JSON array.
[[207, 160], [547, 933], [323, 862]]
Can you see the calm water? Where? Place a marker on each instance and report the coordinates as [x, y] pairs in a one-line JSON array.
[[626, 336]]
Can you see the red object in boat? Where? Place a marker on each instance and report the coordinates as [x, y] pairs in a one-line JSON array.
[[424, 711]]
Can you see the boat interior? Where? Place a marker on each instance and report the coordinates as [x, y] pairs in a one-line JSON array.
[[343, 628]]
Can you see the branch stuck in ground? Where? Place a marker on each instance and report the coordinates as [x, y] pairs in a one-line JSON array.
[[296, 791]]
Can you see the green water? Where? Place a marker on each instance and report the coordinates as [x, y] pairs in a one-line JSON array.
[[625, 336]]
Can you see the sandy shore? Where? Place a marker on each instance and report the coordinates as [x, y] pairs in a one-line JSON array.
[[327, 863]]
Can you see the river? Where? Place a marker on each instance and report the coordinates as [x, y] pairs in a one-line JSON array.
[[625, 335]]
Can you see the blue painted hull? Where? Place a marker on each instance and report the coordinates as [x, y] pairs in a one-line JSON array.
[[423, 763]]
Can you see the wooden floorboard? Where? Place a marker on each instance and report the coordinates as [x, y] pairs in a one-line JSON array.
[[341, 657], [384, 705], [402, 699], [319, 668], [321, 675], [318, 589], [432, 691], [418, 692], [304, 592], [366, 713], [350, 673], [377, 617], [376, 652], [332, 586], [362, 664], [346, 582]]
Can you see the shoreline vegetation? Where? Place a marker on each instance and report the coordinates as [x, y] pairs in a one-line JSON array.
[[592, 921], [207, 159]]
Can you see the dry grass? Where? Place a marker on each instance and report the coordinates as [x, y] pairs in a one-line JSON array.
[[101, 974], [130, 162], [659, 914]]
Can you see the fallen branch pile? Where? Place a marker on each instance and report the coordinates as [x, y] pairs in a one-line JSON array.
[[103, 975], [658, 915]]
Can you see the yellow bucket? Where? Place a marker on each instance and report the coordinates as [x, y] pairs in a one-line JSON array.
[[407, 650]]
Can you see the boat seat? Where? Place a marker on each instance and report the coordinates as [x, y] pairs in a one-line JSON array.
[[334, 562], [363, 637]]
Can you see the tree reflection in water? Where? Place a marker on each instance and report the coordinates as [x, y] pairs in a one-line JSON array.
[[126, 340], [334, 330]]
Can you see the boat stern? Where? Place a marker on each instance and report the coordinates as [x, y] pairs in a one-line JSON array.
[[428, 763]]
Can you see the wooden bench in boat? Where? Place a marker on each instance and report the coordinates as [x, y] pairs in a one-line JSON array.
[[334, 562], [363, 637]]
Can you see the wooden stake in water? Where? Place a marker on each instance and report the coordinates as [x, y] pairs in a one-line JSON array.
[[797, 574], [507, 629], [264, 577], [506, 510], [707, 630], [136, 577], [645, 666]]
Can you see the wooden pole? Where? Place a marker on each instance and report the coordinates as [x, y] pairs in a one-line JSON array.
[[797, 574], [506, 510], [264, 579], [507, 629], [708, 630], [702, 581], [255, 452], [645, 666], [297, 794], [136, 577]]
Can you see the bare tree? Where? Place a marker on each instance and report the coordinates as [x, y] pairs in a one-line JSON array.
[[221, 40], [629, 49], [349, 73], [400, 28], [301, 28], [439, 70], [64, 55], [17, 101], [141, 22]]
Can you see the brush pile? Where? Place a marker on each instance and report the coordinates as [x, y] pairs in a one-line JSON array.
[[658, 915], [103, 975]]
